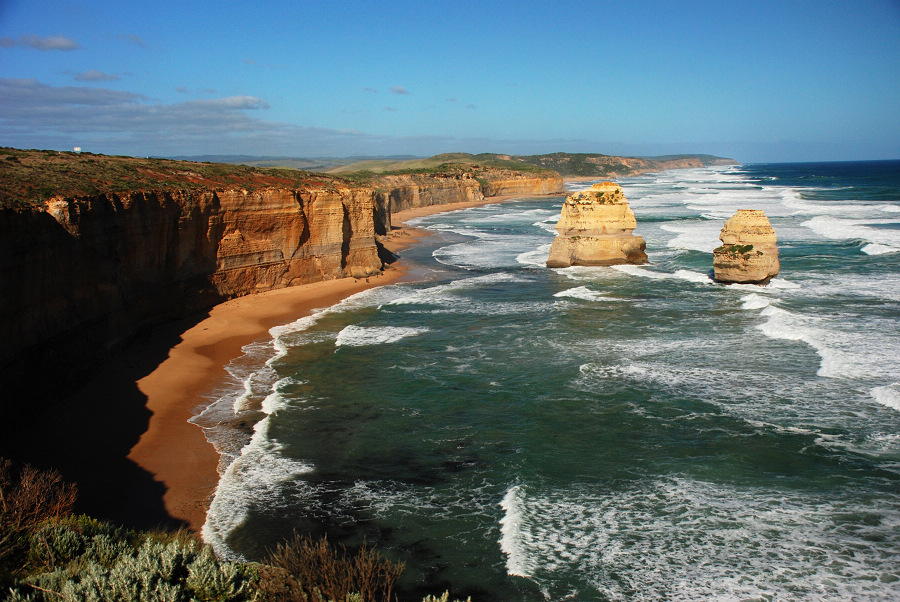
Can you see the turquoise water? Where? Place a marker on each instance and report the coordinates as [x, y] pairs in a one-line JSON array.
[[513, 432]]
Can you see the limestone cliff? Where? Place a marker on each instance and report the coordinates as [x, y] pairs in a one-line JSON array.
[[80, 275], [595, 228], [93, 248], [749, 253], [399, 192]]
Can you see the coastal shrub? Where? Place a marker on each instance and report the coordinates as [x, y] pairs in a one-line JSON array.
[[735, 250], [305, 570], [83, 559], [28, 498], [57, 543]]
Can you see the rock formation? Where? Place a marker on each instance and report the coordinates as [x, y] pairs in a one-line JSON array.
[[595, 228], [749, 253], [79, 276], [399, 192]]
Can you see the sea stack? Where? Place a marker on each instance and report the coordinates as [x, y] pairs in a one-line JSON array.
[[749, 254], [595, 228]]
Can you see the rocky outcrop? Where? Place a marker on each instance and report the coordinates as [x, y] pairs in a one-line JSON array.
[[595, 228], [400, 192], [81, 275], [749, 253]]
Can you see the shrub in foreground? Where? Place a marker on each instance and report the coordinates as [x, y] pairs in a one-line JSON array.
[[302, 569], [28, 498], [46, 554]]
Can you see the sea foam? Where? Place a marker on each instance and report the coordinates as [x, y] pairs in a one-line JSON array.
[[881, 240], [685, 539], [583, 293], [514, 533], [888, 395], [359, 336], [252, 479]]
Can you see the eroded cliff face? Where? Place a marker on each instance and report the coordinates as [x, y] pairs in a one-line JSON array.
[[401, 192], [86, 269], [595, 228], [82, 275]]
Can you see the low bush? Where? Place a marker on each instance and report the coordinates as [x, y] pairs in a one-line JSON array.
[[305, 570], [28, 499]]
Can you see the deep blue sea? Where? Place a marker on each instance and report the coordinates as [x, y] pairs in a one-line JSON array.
[[514, 432]]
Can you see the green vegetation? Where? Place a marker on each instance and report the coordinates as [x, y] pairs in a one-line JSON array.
[[595, 165], [736, 250], [48, 554], [444, 165], [30, 177]]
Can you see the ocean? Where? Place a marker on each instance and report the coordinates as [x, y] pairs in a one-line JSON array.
[[513, 432]]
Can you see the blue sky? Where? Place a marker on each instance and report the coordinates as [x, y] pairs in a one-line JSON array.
[[756, 81]]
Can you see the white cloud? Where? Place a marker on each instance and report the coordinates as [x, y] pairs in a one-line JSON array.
[[399, 90], [45, 43], [93, 75]]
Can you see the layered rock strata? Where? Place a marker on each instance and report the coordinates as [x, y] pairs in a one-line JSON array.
[[80, 275], [93, 248], [749, 251], [595, 228], [400, 192]]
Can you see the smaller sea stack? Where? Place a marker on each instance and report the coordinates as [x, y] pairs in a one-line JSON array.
[[595, 228], [749, 253]]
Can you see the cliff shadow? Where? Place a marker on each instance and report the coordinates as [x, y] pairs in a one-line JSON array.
[[87, 434]]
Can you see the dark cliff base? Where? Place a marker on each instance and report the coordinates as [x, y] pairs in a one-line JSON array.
[[87, 435]]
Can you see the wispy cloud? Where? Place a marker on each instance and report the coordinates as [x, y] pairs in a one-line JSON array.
[[391, 109], [39, 43], [133, 39], [37, 115], [93, 75], [471, 106], [399, 90], [368, 89]]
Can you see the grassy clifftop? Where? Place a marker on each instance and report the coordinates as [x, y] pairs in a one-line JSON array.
[[29, 177], [608, 166], [446, 164], [565, 164]]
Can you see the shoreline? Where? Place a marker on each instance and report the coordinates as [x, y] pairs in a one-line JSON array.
[[176, 452]]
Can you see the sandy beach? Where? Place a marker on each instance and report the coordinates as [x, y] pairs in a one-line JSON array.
[[174, 451]]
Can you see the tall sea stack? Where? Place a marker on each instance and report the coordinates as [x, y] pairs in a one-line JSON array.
[[749, 253], [595, 228]]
